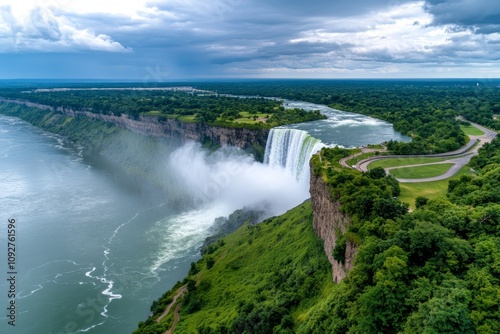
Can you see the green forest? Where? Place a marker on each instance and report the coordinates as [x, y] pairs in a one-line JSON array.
[[430, 271]]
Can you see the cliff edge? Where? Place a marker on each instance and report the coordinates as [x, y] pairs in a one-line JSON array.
[[329, 222]]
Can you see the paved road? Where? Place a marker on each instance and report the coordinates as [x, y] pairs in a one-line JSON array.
[[343, 161], [458, 163], [462, 155]]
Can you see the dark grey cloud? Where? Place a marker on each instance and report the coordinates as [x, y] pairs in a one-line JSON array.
[[286, 49], [483, 16]]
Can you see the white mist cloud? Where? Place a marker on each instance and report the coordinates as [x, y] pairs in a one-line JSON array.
[[231, 180]]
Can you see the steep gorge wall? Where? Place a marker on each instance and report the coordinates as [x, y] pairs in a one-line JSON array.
[[328, 222], [171, 128]]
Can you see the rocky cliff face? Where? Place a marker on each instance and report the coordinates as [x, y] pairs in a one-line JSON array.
[[170, 128], [328, 222]]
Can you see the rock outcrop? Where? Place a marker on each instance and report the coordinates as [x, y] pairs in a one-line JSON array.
[[328, 222]]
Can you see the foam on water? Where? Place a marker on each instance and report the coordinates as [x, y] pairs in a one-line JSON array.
[[182, 233]]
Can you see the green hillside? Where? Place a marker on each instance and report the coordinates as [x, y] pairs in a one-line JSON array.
[[261, 278]]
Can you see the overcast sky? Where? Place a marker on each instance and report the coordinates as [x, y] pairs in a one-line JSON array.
[[175, 39]]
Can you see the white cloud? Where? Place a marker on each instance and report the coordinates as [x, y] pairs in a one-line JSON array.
[[33, 25], [399, 31]]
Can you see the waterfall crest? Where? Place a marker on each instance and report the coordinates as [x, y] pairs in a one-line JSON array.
[[291, 149]]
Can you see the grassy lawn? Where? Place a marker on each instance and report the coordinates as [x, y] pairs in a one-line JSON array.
[[357, 159], [469, 130], [431, 190], [248, 118], [152, 113], [420, 172], [396, 162], [188, 118]]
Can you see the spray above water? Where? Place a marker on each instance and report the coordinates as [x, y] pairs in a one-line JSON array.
[[231, 179]]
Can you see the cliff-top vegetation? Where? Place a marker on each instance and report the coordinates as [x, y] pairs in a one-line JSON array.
[[186, 106]]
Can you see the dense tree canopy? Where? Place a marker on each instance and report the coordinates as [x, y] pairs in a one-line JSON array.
[[432, 271]]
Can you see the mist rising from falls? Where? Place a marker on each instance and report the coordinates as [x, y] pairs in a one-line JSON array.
[[231, 180], [291, 149]]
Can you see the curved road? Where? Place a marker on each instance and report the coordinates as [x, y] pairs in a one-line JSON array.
[[462, 155], [343, 161]]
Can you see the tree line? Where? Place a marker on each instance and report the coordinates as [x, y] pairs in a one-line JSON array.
[[207, 108]]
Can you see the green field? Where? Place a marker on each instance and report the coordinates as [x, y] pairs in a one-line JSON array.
[[188, 119], [248, 118], [360, 157], [421, 171], [470, 130], [397, 162], [410, 191]]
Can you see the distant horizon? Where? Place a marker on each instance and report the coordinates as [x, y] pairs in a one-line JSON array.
[[221, 79]]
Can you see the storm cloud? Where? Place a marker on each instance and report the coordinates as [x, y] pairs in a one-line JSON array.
[[169, 39]]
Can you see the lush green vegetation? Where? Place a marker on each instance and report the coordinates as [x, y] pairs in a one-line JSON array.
[[213, 109], [397, 162], [362, 195], [431, 271], [484, 189], [261, 279], [420, 172]]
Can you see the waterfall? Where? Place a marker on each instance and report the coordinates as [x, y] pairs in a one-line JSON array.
[[291, 149]]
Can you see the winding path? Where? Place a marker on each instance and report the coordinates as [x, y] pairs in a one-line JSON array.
[[461, 157], [176, 320], [180, 293]]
